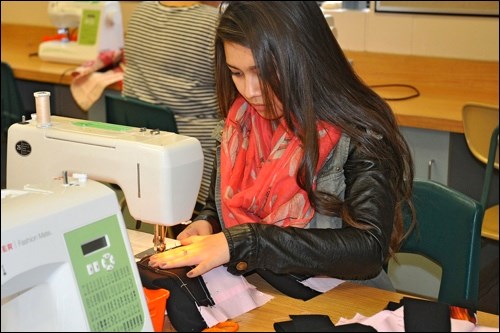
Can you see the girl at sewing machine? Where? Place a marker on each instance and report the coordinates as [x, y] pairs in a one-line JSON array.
[[312, 171]]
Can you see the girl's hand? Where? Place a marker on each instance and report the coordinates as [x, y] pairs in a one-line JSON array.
[[204, 252], [197, 228]]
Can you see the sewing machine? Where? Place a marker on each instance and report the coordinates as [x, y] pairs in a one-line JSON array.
[[159, 172], [99, 26], [66, 262], [62, 231]]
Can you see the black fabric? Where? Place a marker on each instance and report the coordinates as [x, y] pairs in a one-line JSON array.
[[289, 284], [354, 327], [423, 315], [317, 323], [305, 323], [426, 316], [393, 306], [186, 294]]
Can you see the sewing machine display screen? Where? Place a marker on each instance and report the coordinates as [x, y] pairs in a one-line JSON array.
[[103, 271], [95, 245]]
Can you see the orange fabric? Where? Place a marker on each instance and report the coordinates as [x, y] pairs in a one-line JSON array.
[[225, 326], [259, 166]]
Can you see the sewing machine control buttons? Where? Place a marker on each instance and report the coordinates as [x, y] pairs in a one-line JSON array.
[[106, 282], [108, 261]]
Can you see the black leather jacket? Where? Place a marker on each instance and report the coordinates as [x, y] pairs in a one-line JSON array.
[[345, 253]]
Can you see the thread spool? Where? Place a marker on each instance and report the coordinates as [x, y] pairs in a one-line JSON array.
[[42, 103]]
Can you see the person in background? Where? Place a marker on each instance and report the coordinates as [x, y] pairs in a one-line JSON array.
[[169, 60], [314, 172]]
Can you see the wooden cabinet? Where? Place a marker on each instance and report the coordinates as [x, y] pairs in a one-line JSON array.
[[444, 157]]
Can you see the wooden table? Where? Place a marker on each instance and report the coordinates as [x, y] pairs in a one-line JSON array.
[[445, 84], [343, 301]]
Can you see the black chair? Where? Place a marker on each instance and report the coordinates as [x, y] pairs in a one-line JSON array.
[[12, 111], [12, 103], [129, 111]]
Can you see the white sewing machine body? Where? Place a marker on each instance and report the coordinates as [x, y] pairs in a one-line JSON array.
[[100, 28], [159, 172], [67, 264]]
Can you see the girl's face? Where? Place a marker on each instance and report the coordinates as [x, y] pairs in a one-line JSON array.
[[239, 60]]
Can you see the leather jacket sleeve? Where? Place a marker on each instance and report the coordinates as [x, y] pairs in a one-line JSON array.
[[345, 253]]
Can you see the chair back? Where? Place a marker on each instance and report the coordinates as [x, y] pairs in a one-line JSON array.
[[12, 103], [479, 121], [449, 233], [481, 133], [129, 111]]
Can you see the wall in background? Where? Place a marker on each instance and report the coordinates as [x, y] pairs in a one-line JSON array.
[[450, 36]]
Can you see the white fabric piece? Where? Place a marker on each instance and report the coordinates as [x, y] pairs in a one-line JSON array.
[[232, 294], [393, 321], [322, 283]]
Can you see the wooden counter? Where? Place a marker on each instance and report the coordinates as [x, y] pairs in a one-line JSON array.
[[20, 51], [445, 85]]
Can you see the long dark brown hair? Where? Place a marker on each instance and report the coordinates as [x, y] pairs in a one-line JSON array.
[[300, 62]]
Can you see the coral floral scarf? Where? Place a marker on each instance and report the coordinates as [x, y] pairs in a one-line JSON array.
[[259, 162]]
